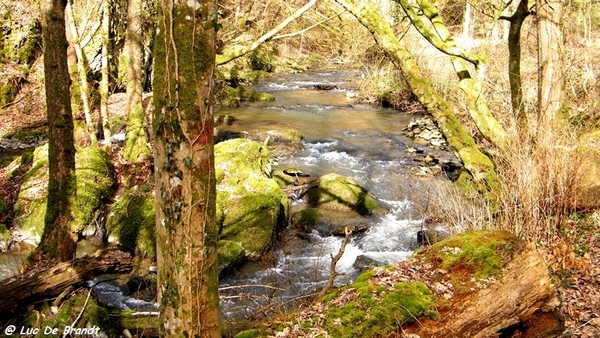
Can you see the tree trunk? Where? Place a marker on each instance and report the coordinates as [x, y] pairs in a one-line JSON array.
[[105, 79], [514, 68], [478, 164], [82, 71], [551, 64], [22, 290], [186, 232], [58, 242], [472, 86], [136, 143]]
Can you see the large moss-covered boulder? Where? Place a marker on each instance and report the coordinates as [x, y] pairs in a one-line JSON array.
[[250, 204], [131, 222], [338, 192], [95, 179]]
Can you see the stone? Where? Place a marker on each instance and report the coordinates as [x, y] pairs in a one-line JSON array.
[[338, 192], [364, 262]]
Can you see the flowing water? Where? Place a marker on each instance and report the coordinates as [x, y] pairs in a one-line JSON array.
[[360, 141]]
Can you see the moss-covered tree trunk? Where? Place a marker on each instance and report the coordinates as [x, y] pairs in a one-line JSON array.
[[136, 143], [58, 241], [184, 161], [472, 86], [477, 163]]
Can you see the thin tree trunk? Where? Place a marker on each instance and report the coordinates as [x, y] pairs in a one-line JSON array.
[[186, 231], [514, 68], [81, 70], [136, 143], [551, 65], [477, 163], [105, 79], [58, 242]]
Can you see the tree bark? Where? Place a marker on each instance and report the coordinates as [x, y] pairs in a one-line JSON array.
[[514, 67], [105, 77], [551, 64], [136, 143], [186, 231], [22, 290], [58, 241], [478, 164]]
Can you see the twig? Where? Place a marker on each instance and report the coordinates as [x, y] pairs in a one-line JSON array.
[[334, 259], [81, 312]]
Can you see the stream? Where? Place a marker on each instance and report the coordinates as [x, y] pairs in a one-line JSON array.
[[361, 141]]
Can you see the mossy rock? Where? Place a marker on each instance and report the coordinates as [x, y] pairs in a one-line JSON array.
[[131, 222], [306, 220], [480, 254], [233, 96], [95, 179], [250, 205], [5, 237], [342, 193]]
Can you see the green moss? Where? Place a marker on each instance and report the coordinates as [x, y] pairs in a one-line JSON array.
[[8, 93], [234, 96], [306, 219], [229, 253], [282, 179], [263, 58], [339, 192], [95, 178], [131, 222], [93, 315], [25, 136], [378, 311], [248, 334], [481, 254], [249, 204]]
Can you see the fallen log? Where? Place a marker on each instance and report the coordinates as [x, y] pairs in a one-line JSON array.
[[22, 290]]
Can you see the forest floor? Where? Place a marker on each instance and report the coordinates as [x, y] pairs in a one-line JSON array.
[[573, 255]]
